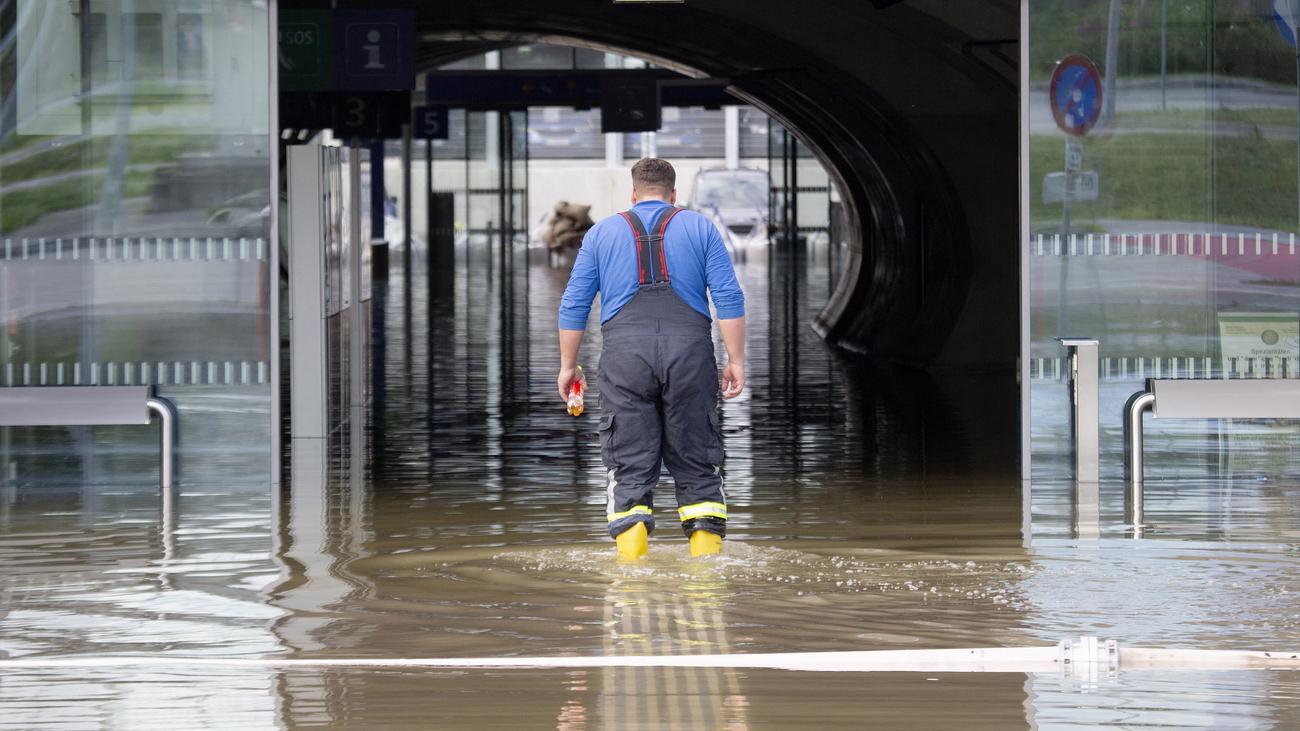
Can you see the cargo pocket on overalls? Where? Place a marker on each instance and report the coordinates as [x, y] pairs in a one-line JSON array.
[[607, 440], [715, 452]]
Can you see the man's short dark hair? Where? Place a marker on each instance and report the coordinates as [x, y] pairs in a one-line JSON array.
[[654, 173]]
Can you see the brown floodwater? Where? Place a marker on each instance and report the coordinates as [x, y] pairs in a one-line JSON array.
[[874, 508]]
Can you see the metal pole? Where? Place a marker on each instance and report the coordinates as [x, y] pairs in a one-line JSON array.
[[1164, 49], [1062, 299], [272, 281], [503, 188], [731, 136], [166, 412], [356, 368], [1297, 131], [87, 67], [406, 209], [1112, 60], [1136, 407], [1084, 415], [428, 202]]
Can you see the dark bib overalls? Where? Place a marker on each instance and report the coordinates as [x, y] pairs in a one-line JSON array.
[[659, 398]]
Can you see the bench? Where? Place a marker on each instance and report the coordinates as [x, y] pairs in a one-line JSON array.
[[93, 406], [1263, 398]]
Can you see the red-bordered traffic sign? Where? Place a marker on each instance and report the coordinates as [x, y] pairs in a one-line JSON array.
[[1076, 94]]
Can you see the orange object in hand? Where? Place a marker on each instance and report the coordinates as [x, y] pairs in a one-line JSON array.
[[575, 394]]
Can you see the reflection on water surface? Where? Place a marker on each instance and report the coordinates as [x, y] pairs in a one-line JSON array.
[[875, 509]]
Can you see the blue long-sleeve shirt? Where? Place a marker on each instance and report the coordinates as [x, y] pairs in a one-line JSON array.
[[698, 266]]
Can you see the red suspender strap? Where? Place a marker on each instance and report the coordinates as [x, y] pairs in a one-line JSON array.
[[638, 231], [663, 229]]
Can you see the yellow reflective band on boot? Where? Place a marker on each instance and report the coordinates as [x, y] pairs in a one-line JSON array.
[[702, 510], [704, 543], [636, 510], [633, 543]]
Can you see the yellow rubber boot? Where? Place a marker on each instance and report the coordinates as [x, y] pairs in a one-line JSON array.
[[633, 543], [704, 543]]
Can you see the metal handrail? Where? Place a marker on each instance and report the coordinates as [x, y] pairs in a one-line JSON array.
[[96, 405], [1134, 409], [166, 412]]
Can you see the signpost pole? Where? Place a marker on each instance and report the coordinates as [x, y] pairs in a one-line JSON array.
[[1112, 60], [1062, 321], [1078, 97], [1164, 50]]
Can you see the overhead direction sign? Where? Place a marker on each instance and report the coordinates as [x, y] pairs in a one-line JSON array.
[[581, 90], [630, 105], [1076, 94]]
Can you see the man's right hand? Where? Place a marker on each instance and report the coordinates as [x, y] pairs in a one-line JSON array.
[[565, 382], [570, 342]]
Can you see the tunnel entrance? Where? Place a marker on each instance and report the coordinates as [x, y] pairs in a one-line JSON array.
[[467, 308], [926, 177]]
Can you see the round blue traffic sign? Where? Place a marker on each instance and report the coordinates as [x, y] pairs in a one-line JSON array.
[[1076, 94]]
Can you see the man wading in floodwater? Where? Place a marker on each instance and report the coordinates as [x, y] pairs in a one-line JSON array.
[[658, 381]]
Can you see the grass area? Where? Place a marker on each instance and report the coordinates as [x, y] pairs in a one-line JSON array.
[[14, 142], [1167, 177], [93, 153], [22, 208]]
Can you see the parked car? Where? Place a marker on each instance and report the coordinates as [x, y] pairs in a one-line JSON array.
[[737, 201]]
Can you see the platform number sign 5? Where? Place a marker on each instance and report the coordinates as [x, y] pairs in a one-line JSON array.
[[431, 123]]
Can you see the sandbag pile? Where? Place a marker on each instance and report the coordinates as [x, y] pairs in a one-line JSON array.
[[569, 223]]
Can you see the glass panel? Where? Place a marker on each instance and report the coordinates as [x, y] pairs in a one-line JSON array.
[[753, 133], [519, 151], [134, 239], [191, 58], [1168, 230], [565, 133], [685, 132], [539, 56], [144, 30], [452, 148], [586, 58], [483, 172]]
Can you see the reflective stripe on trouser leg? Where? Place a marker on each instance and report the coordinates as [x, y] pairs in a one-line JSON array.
[[619, 522], [702, 510], [706, 516]]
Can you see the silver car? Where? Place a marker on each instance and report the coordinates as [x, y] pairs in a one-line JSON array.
[[737, 201]]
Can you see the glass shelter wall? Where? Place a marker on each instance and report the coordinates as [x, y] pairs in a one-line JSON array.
[[1168, 231], [135, 241]]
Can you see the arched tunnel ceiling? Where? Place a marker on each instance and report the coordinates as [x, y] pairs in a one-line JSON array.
[[912, 106]]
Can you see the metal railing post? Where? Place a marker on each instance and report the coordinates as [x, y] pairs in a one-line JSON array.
[[1084, 374], [1136, 407], [166, 412]]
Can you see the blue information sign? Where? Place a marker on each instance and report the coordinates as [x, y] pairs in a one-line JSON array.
[[1076, 94], [430, 123], [374, 50]]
